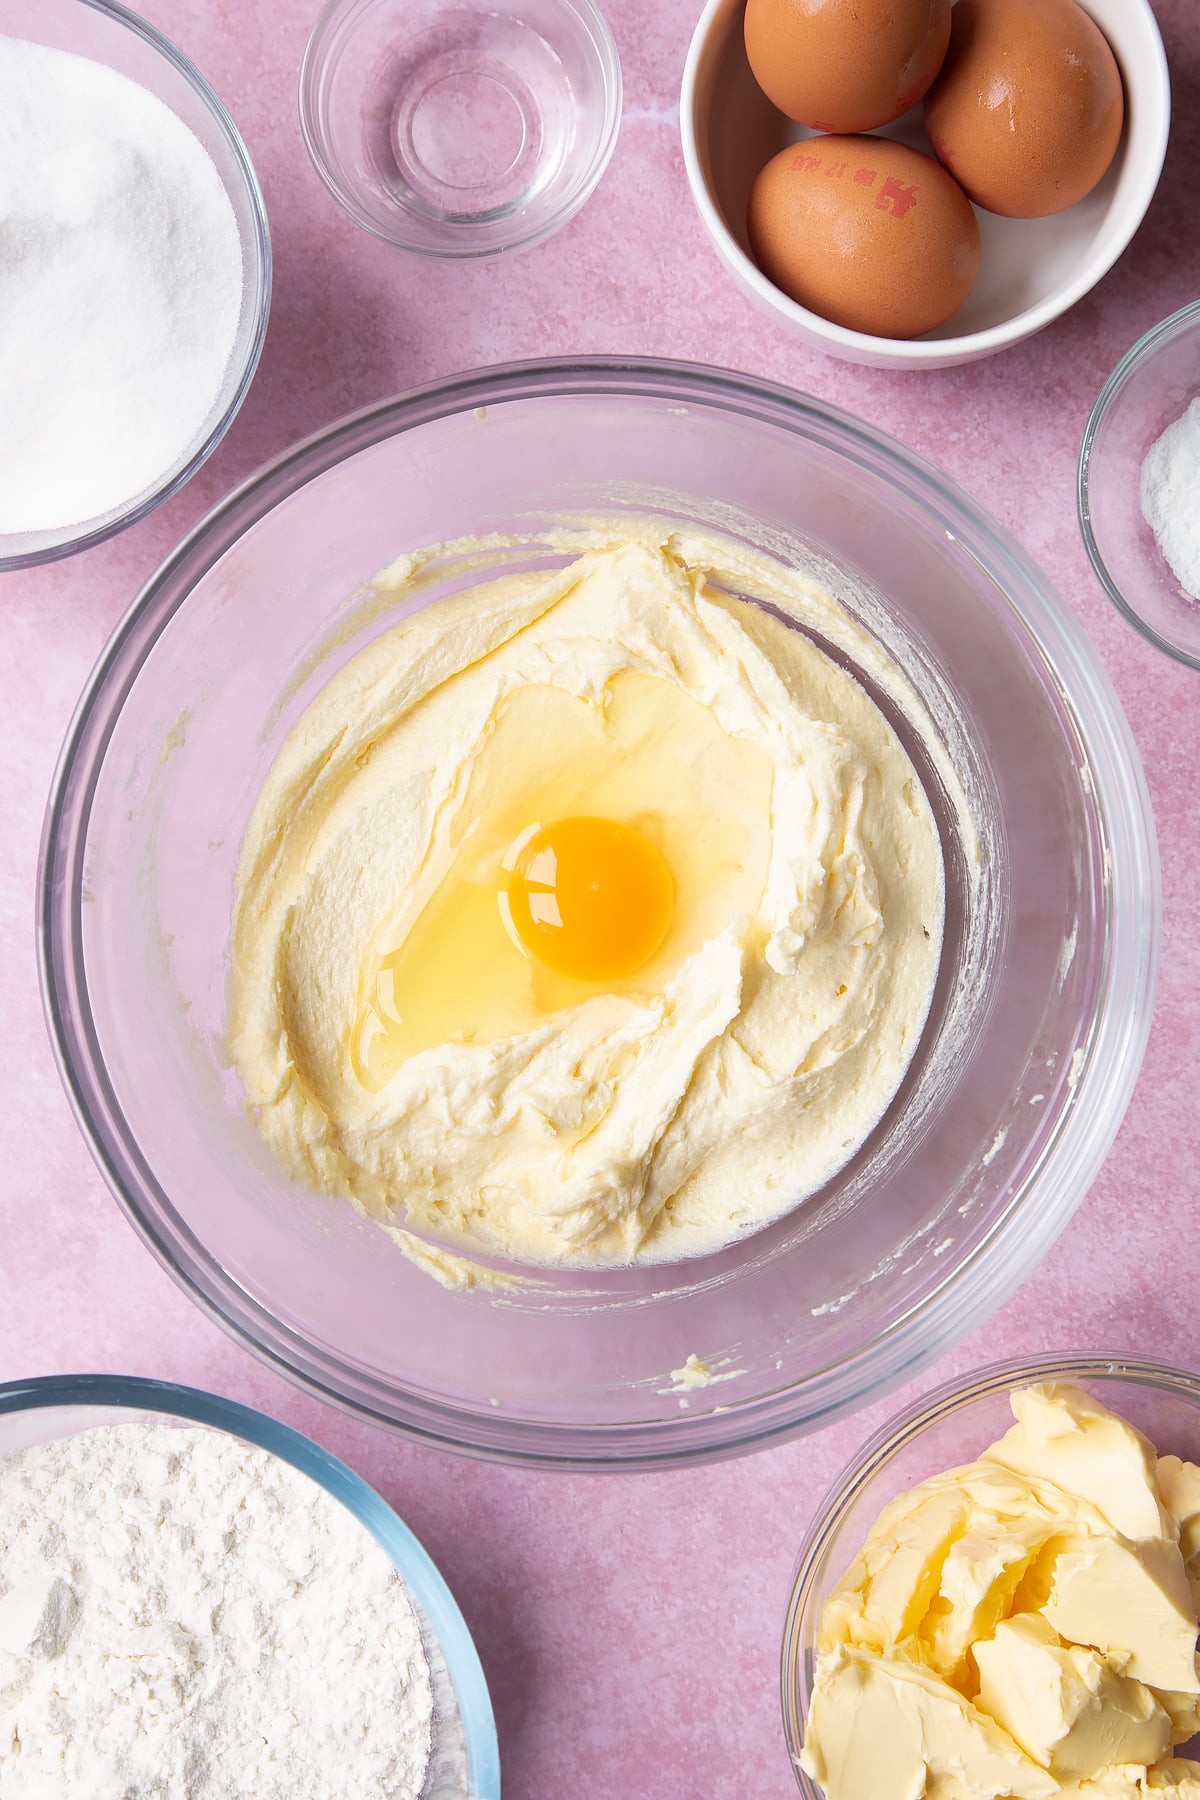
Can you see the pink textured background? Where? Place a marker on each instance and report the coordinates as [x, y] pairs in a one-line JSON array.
[[629, 1627]]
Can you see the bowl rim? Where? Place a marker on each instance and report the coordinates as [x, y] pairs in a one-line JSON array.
[[903, 1429], [312, 65], [408, 1556], [1036, 1212], [1134, 359], [1154, 102], [256, 274]]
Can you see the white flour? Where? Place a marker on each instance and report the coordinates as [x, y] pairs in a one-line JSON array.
[[120, 288], [183, 1616], [1171, 497]]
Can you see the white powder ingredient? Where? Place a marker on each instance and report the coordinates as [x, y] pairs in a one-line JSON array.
[[1171, 497], [184, 1617], [120, 289]]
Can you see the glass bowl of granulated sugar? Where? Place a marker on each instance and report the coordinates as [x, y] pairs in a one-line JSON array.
[[135, 269], [1139, 485], [196, 1600]]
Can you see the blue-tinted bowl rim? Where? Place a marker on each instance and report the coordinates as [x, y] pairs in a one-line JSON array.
[[411, 1560], [1130, 364], [259, 270]]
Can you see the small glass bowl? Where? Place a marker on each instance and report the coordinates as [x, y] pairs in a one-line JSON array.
[[464, 1762], [107, 33], [1148, 390], [460, 129], [949, 1427]]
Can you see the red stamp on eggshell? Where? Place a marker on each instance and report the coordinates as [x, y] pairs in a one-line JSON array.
[[895, 199]]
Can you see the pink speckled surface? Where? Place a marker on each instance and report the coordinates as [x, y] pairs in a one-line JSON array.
[[629, 1627]]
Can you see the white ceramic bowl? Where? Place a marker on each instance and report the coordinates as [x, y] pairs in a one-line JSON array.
[[1032, 269]]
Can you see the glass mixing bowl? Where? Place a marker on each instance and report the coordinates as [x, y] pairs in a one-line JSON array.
[[464, 1761], [107, 33], [942, 1431], [1037, 1025]]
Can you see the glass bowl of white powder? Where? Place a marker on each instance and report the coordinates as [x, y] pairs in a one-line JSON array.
[[135, 269], [1139, 486], [1042, 993], [194, 1595]]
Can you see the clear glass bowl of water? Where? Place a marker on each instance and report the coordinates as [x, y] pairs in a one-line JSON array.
[[460, 129]]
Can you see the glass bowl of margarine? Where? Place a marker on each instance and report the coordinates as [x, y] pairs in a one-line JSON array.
[[1047, 1574], [159, 865]]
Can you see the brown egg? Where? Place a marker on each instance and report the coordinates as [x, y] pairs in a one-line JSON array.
[[1027, 110], [845, 65], [865, 232]]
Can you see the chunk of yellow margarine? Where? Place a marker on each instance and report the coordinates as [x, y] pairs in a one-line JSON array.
[[887, 1726], [1021, 1627], [1175, 1776], [1064, 1704], [1179, 1489], [1064, 1436], [1131, 1600]]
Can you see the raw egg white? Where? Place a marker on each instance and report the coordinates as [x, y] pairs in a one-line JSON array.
[[597, 847], [866, 232], [845, 65], [1027, 110]]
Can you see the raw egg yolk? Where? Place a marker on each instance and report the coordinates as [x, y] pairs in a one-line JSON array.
[[589, 898]]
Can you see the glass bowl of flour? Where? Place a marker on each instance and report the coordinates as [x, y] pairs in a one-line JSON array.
[[135, 267], [195, 1596], [1139, 486], [817, 1297]]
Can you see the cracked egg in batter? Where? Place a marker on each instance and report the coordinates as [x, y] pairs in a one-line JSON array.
[[588, 916]]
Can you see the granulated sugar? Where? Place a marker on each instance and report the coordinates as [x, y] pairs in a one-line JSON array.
[[184, 1617], [1171, 497], [120, 289]]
